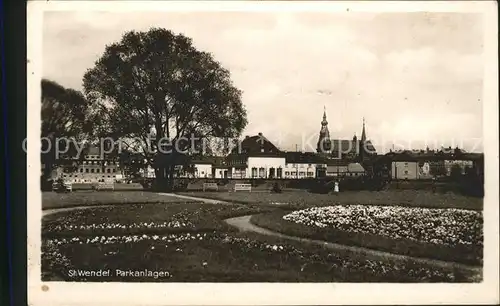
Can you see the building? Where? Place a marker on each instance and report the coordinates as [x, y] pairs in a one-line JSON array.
[[300, 165], [426, 165], [93, 167], [343, 168], [354, 149], [409, 166]]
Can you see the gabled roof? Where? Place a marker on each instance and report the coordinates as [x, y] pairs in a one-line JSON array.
[[355, 167], [255, 145]]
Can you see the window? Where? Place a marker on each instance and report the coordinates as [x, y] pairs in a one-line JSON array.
[[310, 174], [114, 170], [109, 170], [262, 172], [406, 171], [279, 173], [81, 170], [406, 164], [287, 173], [92, 170], [97, 170], [87, 170], [302, 173], [254, 172]]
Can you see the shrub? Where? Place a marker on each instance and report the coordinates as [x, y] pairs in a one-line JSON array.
[[276, 188]]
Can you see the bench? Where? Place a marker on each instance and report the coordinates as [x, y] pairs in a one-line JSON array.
[[62, 187], [68, 187], [243, 187], [210, 186], [105, 186]]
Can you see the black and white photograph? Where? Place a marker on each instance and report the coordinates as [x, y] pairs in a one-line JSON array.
[[251, 145]]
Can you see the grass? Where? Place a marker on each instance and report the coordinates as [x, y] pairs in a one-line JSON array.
[[298, 200], [51, 200], [466, 254]]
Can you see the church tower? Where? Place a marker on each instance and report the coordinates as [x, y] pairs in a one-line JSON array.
[[324, 142], [363, 133], [362, 144]]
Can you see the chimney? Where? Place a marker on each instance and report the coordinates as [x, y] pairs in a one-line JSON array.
[[260, 134], [246, 137]]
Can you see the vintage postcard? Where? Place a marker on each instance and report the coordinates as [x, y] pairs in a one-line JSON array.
[[230, 153]]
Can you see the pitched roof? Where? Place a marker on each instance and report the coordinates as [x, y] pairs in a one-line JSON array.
[[254, 145], [344, 146], [336, 162], [355, 167]]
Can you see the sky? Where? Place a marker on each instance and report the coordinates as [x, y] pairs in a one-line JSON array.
[[416, 78]]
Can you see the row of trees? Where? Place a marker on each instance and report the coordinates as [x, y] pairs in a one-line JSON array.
[[153, 83]]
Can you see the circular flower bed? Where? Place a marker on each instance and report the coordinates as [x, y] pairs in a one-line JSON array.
[[439, 226]]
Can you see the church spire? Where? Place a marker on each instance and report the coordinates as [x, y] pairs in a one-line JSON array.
[[324, 122], [363, 133], [324, 142]]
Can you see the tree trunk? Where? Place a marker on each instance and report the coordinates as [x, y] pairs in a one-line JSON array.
[[170, 182]]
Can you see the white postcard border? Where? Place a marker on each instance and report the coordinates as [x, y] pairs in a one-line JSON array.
[[61, 293]]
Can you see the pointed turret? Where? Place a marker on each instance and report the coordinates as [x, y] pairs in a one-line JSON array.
[[324, 142], [363, 133]]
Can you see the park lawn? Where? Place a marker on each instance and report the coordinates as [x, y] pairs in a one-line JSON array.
[[51, 200], [228, 257], [466, 254], [298, 200], [145, 219]]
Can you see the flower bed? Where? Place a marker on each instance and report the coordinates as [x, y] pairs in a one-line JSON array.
[[144, 218], [222, 257], [383, 229], [440, 226]]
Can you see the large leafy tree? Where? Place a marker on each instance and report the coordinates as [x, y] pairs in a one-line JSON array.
[[155, 86], [65, 123]]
